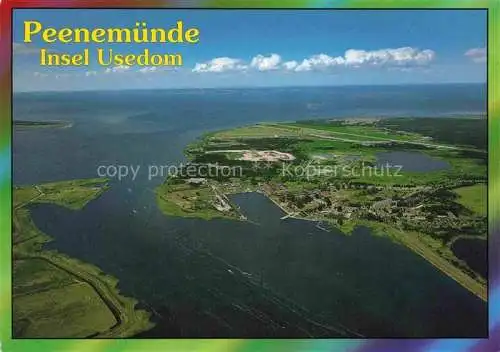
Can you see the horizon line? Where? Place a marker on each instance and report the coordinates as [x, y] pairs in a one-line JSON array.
[[253, 87]]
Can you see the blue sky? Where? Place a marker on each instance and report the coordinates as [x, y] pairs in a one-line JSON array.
[[268, 48]]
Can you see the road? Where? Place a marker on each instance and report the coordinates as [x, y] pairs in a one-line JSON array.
[[430, 145]]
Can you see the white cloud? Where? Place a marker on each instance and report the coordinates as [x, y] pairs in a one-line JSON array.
[[266, 63], [477, 55], [405, 56], [400, 56], [319, 62], [117, 69], [290, 65], [148, 69], [24, 49], [220, 64]]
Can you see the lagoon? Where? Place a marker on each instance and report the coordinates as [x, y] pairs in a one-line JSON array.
[[222, 278], [228, 271]]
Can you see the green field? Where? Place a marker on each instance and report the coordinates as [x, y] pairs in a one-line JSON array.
[[35, 275], [190, 201], [468, 132], [58, 296], [49, 302], [74, 194], [354, 145], [352, 132], [474, 198], [255, 131]]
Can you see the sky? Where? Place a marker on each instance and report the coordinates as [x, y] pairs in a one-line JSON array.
[[254, 48]]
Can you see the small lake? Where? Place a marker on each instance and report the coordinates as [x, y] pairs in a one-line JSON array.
[[474, 252], [411, 161]]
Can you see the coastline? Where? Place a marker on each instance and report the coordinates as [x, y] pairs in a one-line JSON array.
[[441, 259], [27, 125], [413, 243], [128, 321]]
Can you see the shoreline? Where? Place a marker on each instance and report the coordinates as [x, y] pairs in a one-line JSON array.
[[420, 243], [128, 320], [414, 244], [28, 125]]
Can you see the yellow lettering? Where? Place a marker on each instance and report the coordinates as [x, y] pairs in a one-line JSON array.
[[118, 59], [192, 35], [101, 57], [174, 60], [53, 60], [77, 60], [130, 60], [117, 34], [30, 28], [65, 59], [43, 53], [49, 35], [65, 35], [174, 35], [98, 35], [79, 32]]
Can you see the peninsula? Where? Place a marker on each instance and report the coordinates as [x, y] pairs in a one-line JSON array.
[[21, 124], [414, 180]]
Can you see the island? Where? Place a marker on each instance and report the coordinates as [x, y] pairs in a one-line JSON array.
[[422, 182], [21, 124], [88, 301]]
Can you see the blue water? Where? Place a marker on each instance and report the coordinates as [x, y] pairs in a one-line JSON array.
[[411, 161], [223, 278]]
